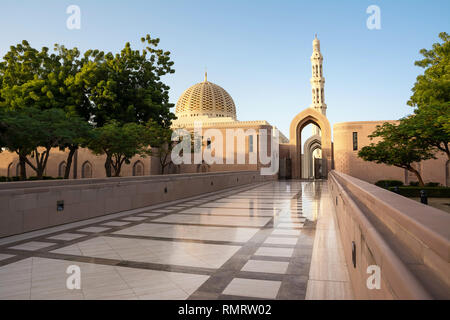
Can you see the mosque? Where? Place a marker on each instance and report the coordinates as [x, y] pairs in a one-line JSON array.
[[211, 105]]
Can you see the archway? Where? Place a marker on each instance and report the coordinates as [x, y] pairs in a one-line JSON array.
[[9, 172], [308, 167], [62, 169], [299, 122], [138, 168], [86, 170]]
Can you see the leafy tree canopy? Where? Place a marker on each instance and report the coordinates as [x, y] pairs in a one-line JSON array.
[[128, 86], [396, 148], [430, 125], [119, 143], [433, 87]]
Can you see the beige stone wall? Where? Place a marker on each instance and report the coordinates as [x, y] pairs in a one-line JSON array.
[[346, 159], [410, 242], [150, 164], [31, 205], [11, 160]]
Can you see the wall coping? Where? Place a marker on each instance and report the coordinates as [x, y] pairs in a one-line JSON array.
[[33, 185], [426, 223], [400, 279]]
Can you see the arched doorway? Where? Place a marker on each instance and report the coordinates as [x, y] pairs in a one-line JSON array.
[[299, 122], [309, 167]]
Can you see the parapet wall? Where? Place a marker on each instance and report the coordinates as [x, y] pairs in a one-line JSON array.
[[32, 205], [409, 241]]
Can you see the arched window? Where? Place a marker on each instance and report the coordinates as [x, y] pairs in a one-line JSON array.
[[10, 167], [138, 168], [322, 95], [62, 169], [17, 169], [86, 170]]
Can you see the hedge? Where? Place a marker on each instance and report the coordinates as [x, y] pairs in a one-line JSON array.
[[388, 183], [32, 178], [414, 192]]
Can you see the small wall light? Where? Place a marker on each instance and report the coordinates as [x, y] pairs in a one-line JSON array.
[[60, 205]]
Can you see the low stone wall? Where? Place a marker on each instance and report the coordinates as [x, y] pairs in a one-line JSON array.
[[32, 205], [409, 241]]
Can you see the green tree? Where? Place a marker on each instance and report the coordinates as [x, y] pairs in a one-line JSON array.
[[160, 138], [396, 148], [431, 98], [119, 143], [18, 130], [31, 134], [41, 81], [74, 133], [128, 86], [430, 126], [70, 81], [433, 87]]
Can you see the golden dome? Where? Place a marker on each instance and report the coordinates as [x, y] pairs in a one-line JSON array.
[[205, 99]]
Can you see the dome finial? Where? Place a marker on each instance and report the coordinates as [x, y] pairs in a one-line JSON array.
[[315, 36], [206, 75]]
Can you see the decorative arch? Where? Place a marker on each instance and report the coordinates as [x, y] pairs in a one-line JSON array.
[[300, 121], [310, 145], [86, 170], [138, 168], [10, 168], [62, 169], [18, 169]]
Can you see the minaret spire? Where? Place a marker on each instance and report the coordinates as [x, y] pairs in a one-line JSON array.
[[317, 81]]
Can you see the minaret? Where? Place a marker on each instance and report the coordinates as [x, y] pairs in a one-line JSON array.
[[317, 82]]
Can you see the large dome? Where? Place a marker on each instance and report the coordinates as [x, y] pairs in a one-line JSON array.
[[205, 99]]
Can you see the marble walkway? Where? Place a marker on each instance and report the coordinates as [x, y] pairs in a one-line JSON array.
[[276, 240]]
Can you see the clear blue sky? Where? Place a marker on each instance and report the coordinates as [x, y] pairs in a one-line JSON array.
[[258, 50]]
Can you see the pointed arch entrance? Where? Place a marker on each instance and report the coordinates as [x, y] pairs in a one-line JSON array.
[[299, 122]]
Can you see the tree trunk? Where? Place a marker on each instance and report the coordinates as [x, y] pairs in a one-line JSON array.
[[72, 151], [44, 163], [41, 162], [163, 162], [23, 168], [117, 169], [418, 176], [118, 166], [108, 166], [447, 151]]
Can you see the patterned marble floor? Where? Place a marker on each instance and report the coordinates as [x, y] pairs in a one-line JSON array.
[[252, 242]]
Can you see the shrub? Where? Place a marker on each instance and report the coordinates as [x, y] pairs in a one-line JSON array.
[[432, 184], [414, 183], [414, 191], [388, 183], [32, 178]]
